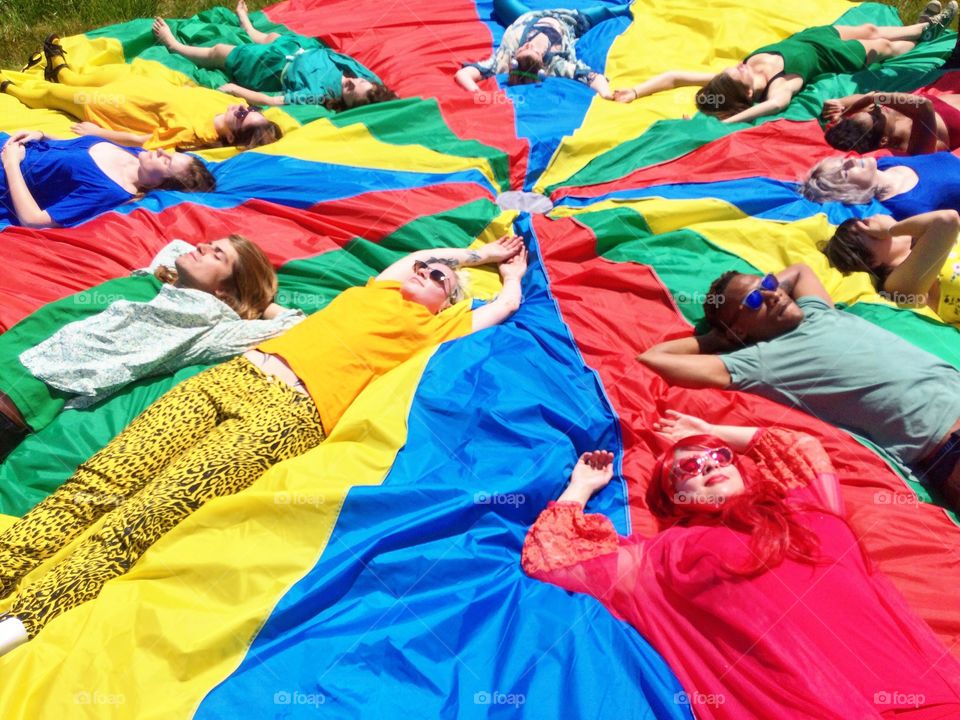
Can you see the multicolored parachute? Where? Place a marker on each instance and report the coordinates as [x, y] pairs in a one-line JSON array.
[[379, 574]]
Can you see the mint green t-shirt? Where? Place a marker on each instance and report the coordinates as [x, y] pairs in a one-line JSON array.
[[855, 375]]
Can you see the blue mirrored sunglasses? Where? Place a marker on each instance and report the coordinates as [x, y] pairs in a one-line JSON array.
[[754, 298]]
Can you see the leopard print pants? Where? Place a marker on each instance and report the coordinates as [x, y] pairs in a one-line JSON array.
[[210, 436]]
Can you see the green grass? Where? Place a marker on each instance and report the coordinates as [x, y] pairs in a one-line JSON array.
[[24, 23]]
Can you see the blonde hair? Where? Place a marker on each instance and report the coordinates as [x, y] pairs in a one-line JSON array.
[[825, 182]]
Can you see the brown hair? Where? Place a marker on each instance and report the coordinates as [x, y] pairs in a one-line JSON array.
[[245, 138], [527, 70], [196, 179], [253, 282], [379, 93], [847, 252], [723, 96]]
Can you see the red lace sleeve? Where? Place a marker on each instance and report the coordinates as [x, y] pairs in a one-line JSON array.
[[562, 543], [796, 459]]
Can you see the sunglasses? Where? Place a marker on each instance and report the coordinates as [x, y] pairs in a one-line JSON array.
[[693, 465], [438, 276], [241, 112], [754, 298]]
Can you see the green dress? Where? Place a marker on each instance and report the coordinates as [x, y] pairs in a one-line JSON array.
[[304, 69], [817, 51]]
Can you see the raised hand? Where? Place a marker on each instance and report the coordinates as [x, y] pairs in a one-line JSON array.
[[592, 471], [675, 426], [515, 266], [85, 128], [503, 249], [832, 110]]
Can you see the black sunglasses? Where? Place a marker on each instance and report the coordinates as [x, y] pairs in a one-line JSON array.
[[438, 276], [241, 112]]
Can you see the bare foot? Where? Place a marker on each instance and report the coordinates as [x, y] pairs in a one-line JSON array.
[[163, 34]]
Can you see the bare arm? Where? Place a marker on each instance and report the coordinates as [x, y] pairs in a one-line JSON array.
[[835, 108], [468, 77], [25, 206], [272, 311], [800, 281], [690, 361], [495, 252], [602, 86], [676, 425], [251, 96], [923, 135], [777, 101], [510, 297], [664, 81], [121, 138], [936, 234]]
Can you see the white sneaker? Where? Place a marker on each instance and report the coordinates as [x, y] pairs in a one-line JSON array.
[[12, 633]]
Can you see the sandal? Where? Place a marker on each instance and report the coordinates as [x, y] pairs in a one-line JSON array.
[[4, 84], [33, 60], [52, 49]]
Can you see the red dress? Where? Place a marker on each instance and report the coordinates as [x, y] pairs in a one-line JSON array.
[[831, 640]]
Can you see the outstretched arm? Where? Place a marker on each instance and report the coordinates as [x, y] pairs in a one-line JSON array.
[[251, 96], [495, 252], [25, 206], [121, 138], [777, 101], [510, 297], [664, 81], [675, 426], [468, 77], [690, 361], [581, 553]]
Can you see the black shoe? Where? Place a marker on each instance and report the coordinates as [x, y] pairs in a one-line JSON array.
[[51, 50], [11, 435]]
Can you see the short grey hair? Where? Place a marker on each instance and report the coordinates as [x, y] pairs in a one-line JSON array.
[[825, 183]]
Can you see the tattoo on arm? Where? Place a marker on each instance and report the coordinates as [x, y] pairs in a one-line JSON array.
[[473, 258]]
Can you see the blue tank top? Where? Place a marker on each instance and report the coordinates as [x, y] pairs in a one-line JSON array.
[[65, 181], [937, 189]]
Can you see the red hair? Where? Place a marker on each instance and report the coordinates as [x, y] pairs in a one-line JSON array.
[[761, 511]]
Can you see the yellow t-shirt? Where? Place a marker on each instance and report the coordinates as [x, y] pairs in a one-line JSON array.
[[948, 308], [171, 115], [362, 334]]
